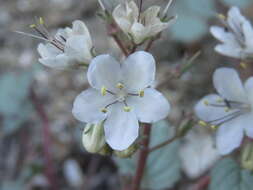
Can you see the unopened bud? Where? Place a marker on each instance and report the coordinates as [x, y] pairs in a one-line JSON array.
[[126, 153], [93, 137], [184, 127], [247, 156]]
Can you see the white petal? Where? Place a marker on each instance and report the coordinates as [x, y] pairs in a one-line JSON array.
[[119, 15], [79, 28], [235, 19], [248, 125], [152, 107], [249, 89], [229, 50], [139, 32], [138, 71], [60, 61], [87, 106], [121, 128], [207, 112], [221, 34], [151, 14], [248, 32], [229, 85], [48, 50], [78, 47], [230, 135], [104, 70]]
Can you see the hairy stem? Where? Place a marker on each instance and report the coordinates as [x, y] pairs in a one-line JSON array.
[[142, 160], [120, 44], [49, 167]]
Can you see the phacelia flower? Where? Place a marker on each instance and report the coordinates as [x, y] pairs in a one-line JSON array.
[[236, 35], [140, 26], [71, 47], [230, 110], [121, 95]]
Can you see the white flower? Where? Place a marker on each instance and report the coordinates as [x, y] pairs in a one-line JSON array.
[[236, 36], [122, 95], [139, 26], [71, 47], [230, 111]]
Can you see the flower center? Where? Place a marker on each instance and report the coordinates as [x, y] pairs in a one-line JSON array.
[[121, 95]]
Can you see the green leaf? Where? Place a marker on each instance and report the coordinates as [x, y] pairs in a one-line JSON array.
[[163, 165], [238, 3], [227, 174]]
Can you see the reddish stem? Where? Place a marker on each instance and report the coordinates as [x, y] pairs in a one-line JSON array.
[[202, 183], [136, 183], [49, 167]]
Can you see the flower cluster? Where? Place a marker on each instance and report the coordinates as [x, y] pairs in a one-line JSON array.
[[236, 35]]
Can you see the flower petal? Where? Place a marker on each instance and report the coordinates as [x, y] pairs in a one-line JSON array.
[[138, 71], [87, 106], [79, 48], [221, 34], [206, 112], [229, 50], [79, 28], [230, 135], [248, 32], [120, 16], [228, 84], [121, 128], [60, 61], [139, 32], [152, 107], [248, 85], [235, 19], [48, 50], [104, 70]]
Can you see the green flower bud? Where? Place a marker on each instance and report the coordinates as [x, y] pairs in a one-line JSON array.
[[93, 137], [128, 152], [247, 156]]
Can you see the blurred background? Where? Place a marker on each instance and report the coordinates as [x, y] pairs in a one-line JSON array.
[[40, 141]]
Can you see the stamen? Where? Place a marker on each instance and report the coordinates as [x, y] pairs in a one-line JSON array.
[[104, 110], [202, 123], [206, 102], [141, 93], [103, 91], [41, 21], [243, 65], [214, 127], [221, 16], [220, 100], [227, 109], [127, 108], [120, 85]]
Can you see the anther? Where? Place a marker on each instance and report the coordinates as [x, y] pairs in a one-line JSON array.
[[220, 100], [127, 108], [32, 26], [141, 93], [41, 21], [206, 102], [103, 90], [222, 17], [214, 127], [104, 110], [120, 85], [227, 109], [243, 65], [202, 123]]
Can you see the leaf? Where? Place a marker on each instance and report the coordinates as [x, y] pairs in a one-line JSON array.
[[240, 3], [228, 175], [163, 165]]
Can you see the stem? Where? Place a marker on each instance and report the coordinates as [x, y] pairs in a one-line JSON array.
[[136, 183], [120, 44], [150, 43], [49, 170], [162, 144]]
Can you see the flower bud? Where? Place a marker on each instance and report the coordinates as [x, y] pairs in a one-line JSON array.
[[126, 153], [93, 137], [247, 156]]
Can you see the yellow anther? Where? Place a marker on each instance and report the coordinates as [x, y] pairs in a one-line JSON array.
[[127, 109], [202, 123], [120, 85], [141, 93], [214, 127], [206, 102], [227, 109], [243, 65], [104, 110], [32, 26], [41, 21], [103, 90], [222, 17]]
